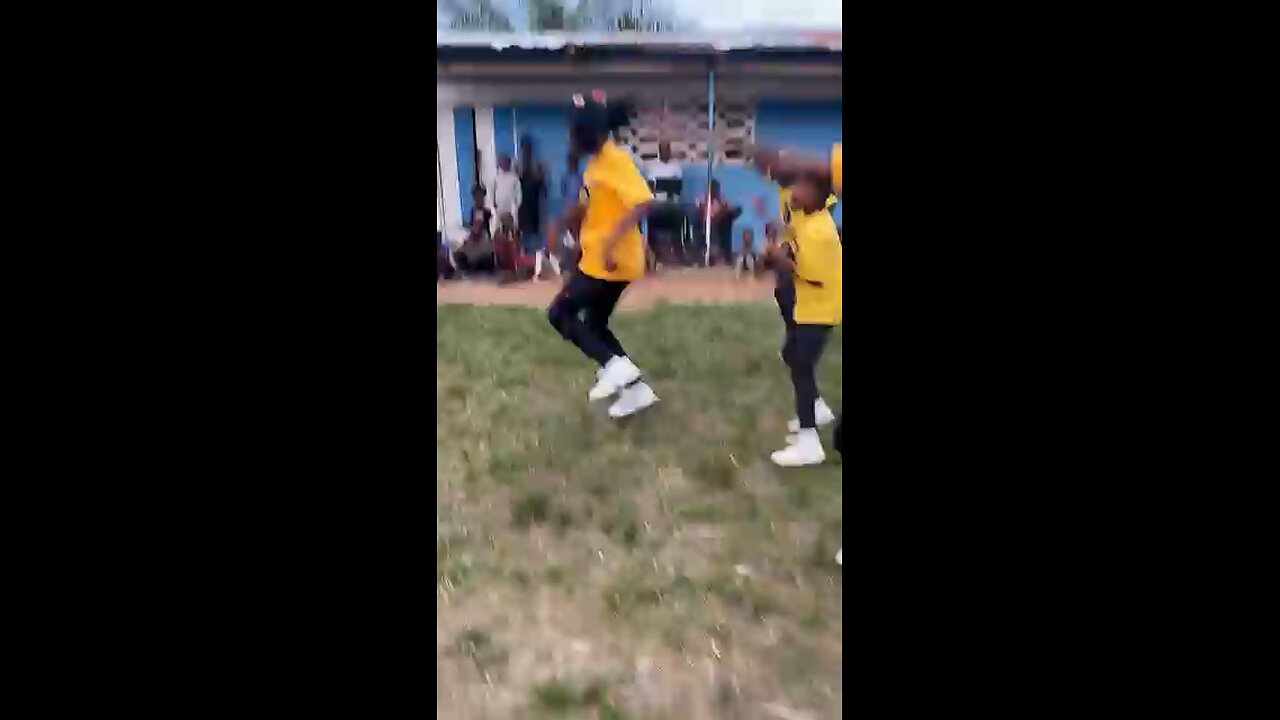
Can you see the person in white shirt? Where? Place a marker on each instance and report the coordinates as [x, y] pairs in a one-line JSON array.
[[506, 189], [663, 231], [664, 168]]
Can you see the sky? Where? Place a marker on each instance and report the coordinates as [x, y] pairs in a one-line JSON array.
[[733, 14]]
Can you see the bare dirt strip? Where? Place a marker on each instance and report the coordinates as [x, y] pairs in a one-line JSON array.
[[680, 285]]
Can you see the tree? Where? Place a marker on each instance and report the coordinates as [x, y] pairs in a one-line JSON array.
[[475, 15], [548, 15], [597, 15], [621, 16]]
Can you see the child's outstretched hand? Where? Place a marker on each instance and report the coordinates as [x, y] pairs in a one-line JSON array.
[[773, 250]]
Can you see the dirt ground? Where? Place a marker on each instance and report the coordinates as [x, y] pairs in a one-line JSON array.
[[709, 285]]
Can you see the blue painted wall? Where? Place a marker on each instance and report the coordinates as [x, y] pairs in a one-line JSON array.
[[548, 126], [502, 124], [464, 139]]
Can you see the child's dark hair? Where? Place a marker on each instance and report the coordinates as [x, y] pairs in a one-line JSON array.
[[477, 188], [822, 186], [822, 182], [591, 124]]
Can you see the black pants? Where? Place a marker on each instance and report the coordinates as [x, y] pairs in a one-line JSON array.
[[482, 263], [786, 308], [786, 300], [593, 299], [801, 352], [666, 223]]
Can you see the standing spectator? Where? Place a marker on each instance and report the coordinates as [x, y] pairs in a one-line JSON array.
[[506, 188], [533, 192]]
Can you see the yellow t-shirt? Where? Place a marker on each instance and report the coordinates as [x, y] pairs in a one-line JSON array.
[[837, 168], [611, 187], [819, 267]]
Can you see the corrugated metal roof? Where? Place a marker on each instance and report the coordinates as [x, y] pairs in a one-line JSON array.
[[831, 41]]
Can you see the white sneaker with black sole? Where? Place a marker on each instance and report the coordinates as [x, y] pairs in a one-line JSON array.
[[821, 413], [632, 400], [618, 373]]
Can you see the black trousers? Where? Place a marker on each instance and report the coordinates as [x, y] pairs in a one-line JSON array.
[[580, 313], [480, 264], [786, 298], [801, 352]]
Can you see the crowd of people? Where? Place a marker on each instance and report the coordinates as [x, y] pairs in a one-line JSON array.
[[510, 236], [505, 237]]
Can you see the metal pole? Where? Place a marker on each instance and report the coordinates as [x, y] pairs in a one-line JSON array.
[[711, 155], [515, 135]]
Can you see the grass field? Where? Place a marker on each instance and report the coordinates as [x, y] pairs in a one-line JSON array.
[[654, 567]]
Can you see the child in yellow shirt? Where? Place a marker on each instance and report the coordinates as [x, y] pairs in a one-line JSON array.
[[615, 198], [812, 255]]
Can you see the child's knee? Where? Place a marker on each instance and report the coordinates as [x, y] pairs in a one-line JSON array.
[[558, 316]]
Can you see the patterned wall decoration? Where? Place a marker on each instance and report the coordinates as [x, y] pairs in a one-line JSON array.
[[683, 123]]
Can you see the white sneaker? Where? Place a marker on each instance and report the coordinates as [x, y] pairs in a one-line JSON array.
[[821, 413], [617, 374], [807, 450], [632, 400], [838, 560]]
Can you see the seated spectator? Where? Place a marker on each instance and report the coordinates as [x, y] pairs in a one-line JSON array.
[[480, 211], [476, 252], [444, 270], [665, 225], [505, 248], [722, 216], [514, 264], [664, 168]]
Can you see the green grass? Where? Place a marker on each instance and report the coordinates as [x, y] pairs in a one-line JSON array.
[[666, 535]]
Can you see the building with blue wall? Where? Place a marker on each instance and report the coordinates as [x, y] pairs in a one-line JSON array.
[[780, 91]]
